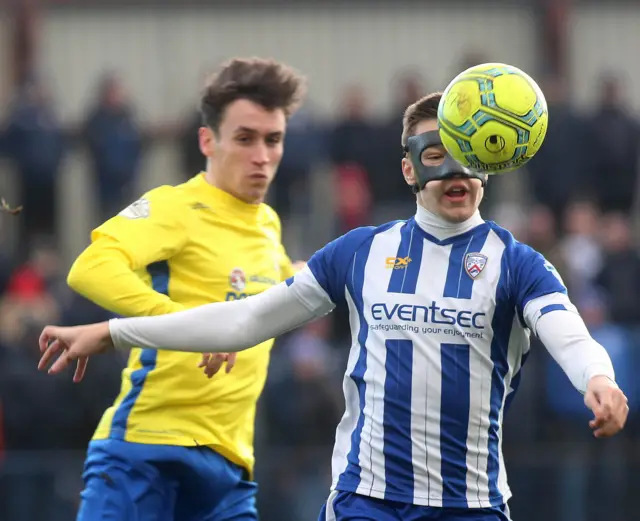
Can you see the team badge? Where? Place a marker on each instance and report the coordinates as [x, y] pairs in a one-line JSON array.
[[237, 279], [138, 210], [474, 263]]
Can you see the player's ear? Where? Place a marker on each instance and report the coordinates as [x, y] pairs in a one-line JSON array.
[[207, 141], [407, 172]]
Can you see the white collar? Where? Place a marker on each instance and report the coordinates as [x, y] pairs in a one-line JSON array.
[[442, 229]]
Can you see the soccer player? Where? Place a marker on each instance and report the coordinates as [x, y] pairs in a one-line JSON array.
[[441, 308], [174, 445]]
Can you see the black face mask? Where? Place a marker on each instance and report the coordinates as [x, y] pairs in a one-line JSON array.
[[449, 168]]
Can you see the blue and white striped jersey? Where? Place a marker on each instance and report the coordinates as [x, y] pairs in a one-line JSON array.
[[440, 331]]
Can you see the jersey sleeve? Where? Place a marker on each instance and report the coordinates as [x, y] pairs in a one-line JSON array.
[[149, 230], [544, 307], [539, 288], [228, 326], [240, 324], [330, 265], [567, 339]]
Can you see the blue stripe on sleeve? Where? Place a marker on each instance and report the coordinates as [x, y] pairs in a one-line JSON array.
[[552, 307]]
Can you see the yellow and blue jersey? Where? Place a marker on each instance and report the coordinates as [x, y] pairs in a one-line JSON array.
[[181, 247]]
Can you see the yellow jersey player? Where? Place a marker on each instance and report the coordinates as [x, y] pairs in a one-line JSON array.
[[175, 445]]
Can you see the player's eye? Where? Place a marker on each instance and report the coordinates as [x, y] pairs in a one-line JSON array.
[[274, 140], [244, 140], [432, 157]]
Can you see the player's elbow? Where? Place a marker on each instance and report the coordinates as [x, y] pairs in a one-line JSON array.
[[79, 276], [93, 267]]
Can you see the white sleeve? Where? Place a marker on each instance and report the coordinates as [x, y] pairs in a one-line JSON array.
[[558, 325], [229, 326]]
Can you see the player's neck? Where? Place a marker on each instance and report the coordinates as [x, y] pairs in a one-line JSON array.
[[442, 229]]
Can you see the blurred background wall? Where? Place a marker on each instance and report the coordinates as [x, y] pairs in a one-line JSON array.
[[98, 104]]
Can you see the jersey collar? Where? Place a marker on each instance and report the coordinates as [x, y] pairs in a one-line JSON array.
[[441, 229], [221, 200]]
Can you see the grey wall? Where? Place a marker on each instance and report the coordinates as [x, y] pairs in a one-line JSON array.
[[164, 54]]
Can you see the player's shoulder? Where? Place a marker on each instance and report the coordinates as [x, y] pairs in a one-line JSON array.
[[167, 194], [341, 250], [157, 199], [358, 237], [517, 253], [505, 236], [171, 202]]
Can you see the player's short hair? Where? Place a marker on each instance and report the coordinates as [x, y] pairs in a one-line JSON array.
[[267, 83], [423, 109]]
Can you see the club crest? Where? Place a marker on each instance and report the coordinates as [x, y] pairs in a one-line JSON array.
[[474, 263], [237, 279]]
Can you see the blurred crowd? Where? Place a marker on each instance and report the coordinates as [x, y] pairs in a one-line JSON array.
[[579, 212]]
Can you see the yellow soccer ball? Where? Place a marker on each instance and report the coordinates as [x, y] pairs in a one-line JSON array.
[[493, 118]]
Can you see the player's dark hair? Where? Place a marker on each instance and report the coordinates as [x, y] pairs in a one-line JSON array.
[[267, 83], [423, 109]]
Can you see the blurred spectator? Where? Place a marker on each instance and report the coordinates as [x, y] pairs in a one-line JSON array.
[[620, 276], [510, 216], [407, 89], [6, 258], [115, 144], [303, 406], [305, 146], [616, 146], [561, 395], [353, 136], [191, 157], [353, 195], [35, 142], [541, 235], [592, 483], [557, 174], [308, 378], [31, 291], [580, 249], [390, 192], [40, 414], [2, 444]]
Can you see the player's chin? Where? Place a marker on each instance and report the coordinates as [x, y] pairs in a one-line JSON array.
[[456, 212], [256, 189]]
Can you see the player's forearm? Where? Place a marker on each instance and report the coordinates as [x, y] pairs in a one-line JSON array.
[[220, 327], [567, 339], [104, 276]]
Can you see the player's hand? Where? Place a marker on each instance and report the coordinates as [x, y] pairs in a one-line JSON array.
[[70, 344], [608, 404], [212, 362]]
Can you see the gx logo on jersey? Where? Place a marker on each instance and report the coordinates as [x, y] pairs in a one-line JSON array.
[[397, 263]]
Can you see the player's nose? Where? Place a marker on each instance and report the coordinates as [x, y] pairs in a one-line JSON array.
[[260, 155]]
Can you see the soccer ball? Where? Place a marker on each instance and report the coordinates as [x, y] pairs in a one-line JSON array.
[[492, 118]]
